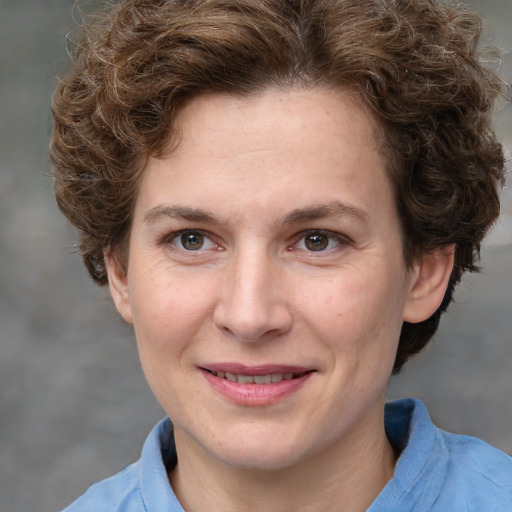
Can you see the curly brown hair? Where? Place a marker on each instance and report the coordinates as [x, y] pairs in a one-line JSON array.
[[413, 63]]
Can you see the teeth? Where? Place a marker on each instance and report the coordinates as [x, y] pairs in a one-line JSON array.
[[270, 378], [231, 376], [263, 379]]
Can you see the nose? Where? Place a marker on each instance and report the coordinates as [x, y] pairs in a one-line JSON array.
[[252, 304]]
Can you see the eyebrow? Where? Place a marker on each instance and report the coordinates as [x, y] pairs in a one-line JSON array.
[[179, 212], [310, 213], [321, 211]]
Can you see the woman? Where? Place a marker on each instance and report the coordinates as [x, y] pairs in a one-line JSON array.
[[281, 196]]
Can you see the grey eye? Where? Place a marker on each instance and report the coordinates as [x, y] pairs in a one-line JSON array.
[[316, 242], [192, 241], [320, 241]]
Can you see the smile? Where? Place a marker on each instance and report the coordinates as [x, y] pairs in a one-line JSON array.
[[256, 386], [270, 378]]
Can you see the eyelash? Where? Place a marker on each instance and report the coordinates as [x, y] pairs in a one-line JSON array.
[[331, 236], [170, 238]]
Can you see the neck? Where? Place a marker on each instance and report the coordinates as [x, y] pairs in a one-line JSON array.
[[351, 473]]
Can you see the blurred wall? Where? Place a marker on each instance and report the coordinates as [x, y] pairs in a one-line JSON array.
[[74, 406]]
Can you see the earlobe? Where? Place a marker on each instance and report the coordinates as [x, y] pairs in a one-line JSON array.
[[118, 285], [428, 286]]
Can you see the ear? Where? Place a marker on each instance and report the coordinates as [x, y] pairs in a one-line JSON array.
[[119, 290], [430, 278]]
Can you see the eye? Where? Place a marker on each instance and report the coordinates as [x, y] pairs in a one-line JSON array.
[[192, 241], [318, 241]]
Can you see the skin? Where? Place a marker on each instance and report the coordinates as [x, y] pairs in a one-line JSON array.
[[257, 180]]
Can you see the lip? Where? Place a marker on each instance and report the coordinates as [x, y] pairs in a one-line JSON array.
[[263, 369], [254, 394]]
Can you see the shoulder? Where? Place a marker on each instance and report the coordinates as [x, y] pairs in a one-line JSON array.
[[475, 455], [119, 493], [141, 486], [439, 471], [477, 472]]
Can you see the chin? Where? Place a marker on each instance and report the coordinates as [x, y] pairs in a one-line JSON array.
[[259, 458], [261, 451]]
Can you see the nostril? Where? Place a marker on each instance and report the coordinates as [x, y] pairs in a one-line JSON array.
[[252, 331]]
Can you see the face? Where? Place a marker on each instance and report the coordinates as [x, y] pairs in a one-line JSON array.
[[265, 280]]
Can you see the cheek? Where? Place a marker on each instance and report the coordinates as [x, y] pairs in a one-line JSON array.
[[169, 318], [358, 313], [168, 311]]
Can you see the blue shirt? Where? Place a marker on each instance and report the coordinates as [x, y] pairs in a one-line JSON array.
[[436, 472]]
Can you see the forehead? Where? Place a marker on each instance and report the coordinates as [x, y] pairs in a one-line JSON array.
[[278, 150], [300, 116]]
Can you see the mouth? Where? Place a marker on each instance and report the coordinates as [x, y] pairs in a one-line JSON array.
[[269, 378], [256, 385]]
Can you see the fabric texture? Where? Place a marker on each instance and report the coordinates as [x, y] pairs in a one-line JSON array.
[[436, 472]]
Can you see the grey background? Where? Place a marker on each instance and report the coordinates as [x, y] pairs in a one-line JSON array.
[[74, 406]]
